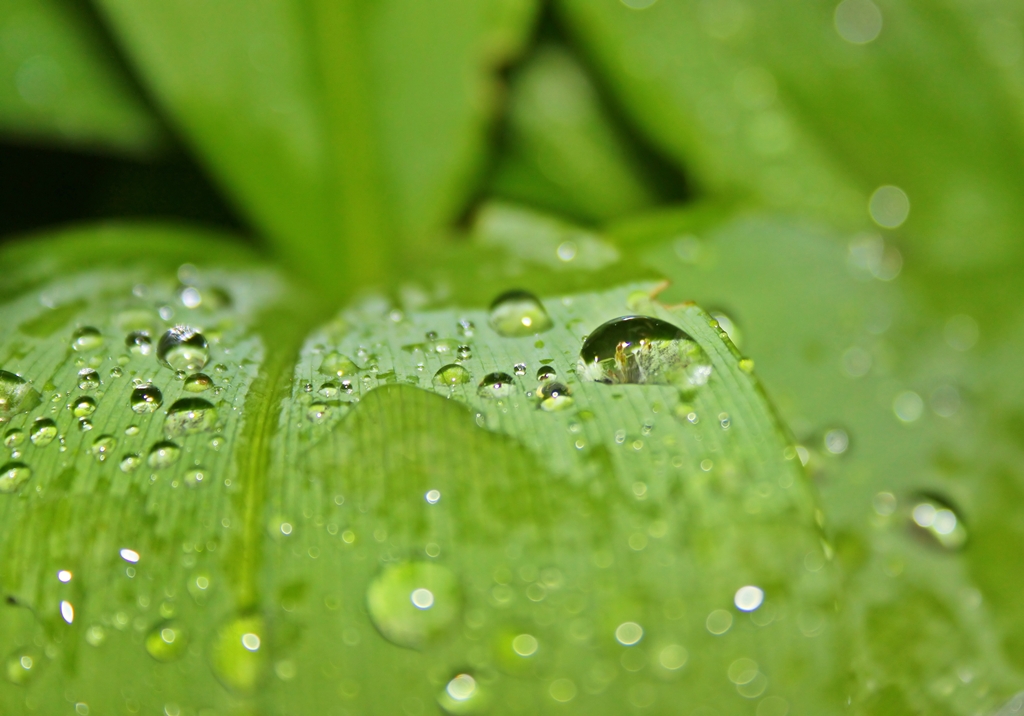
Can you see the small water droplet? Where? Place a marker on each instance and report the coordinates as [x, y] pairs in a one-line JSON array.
[[643, 350], [462, 695], [198, 383], [518, 313], [22, 665], [554, 396], [400, 619], [239, 655], [83, 407], [116, 372], [183, 348], [139, 343], [163, 454], [86, 338], [16, 395], [452, 375], [88, 379], [318, 412], [336, 364], [746, 365], [466, 327], [84, 425], [103, 446], [13, 438], [496, 386], [519, 369], [195, 477], [43, 432], [130, 462], [545, 372], [146, 399], [837, 441], [13, 475], [167, 641], [329, 390], [189, 416], [936, 518], [307, 388], [465, 352]]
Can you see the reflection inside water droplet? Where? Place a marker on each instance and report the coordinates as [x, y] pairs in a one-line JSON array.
[[518, 313], [190, 416], [146, 399], [43, 432], [640, 349]]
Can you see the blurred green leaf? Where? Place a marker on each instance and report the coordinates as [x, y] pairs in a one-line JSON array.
[[343, 129], [812, 107], [262, 525], [59, 81], [563, 152], [895, 402]]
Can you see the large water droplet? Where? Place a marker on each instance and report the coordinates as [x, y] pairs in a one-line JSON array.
[[130, 462], [86, 338], [545, 372], [451, 375], [13, 438], [167, 641], [239, 653], [936, 518], [198, 383], [88, 379], [496, 386], [83, 407], [43, 432], [413, 602], [139, 343], [518, 313], [13, 475], [189, 416], [146, 399], [645, 350], [336, 364], [16, 395], [183, 348], [163, 454]]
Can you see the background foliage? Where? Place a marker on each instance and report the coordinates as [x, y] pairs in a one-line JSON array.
[[836, 184]]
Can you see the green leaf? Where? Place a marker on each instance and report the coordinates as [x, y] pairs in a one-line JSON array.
[[370, 533], [343, 129], [893, 406], [59, 81], [785, 107], [563, 152]]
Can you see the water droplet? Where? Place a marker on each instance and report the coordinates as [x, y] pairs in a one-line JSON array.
[[746, 365], [465, 352], [496, 386], [198, 383], [183, 348], [462, 695], [452, 375], [398, 617], [103, 446], [935, 517], [629, 633], [16, 395], [13, 475], [88, 379], [545, 372], [43, 432], [146, 399], [329, 390], [519, 369], [167, 641], [83, 407], [239, 653], [748, 598], [86, 338], [195, 477], [518, 313], [130, 462], [837, 441], [318, 412], [554, 396], [640, 349], [163, 454], [116, 372], [139, 343], [189, 416], [13, 438], [338, 365], [22, 665]]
